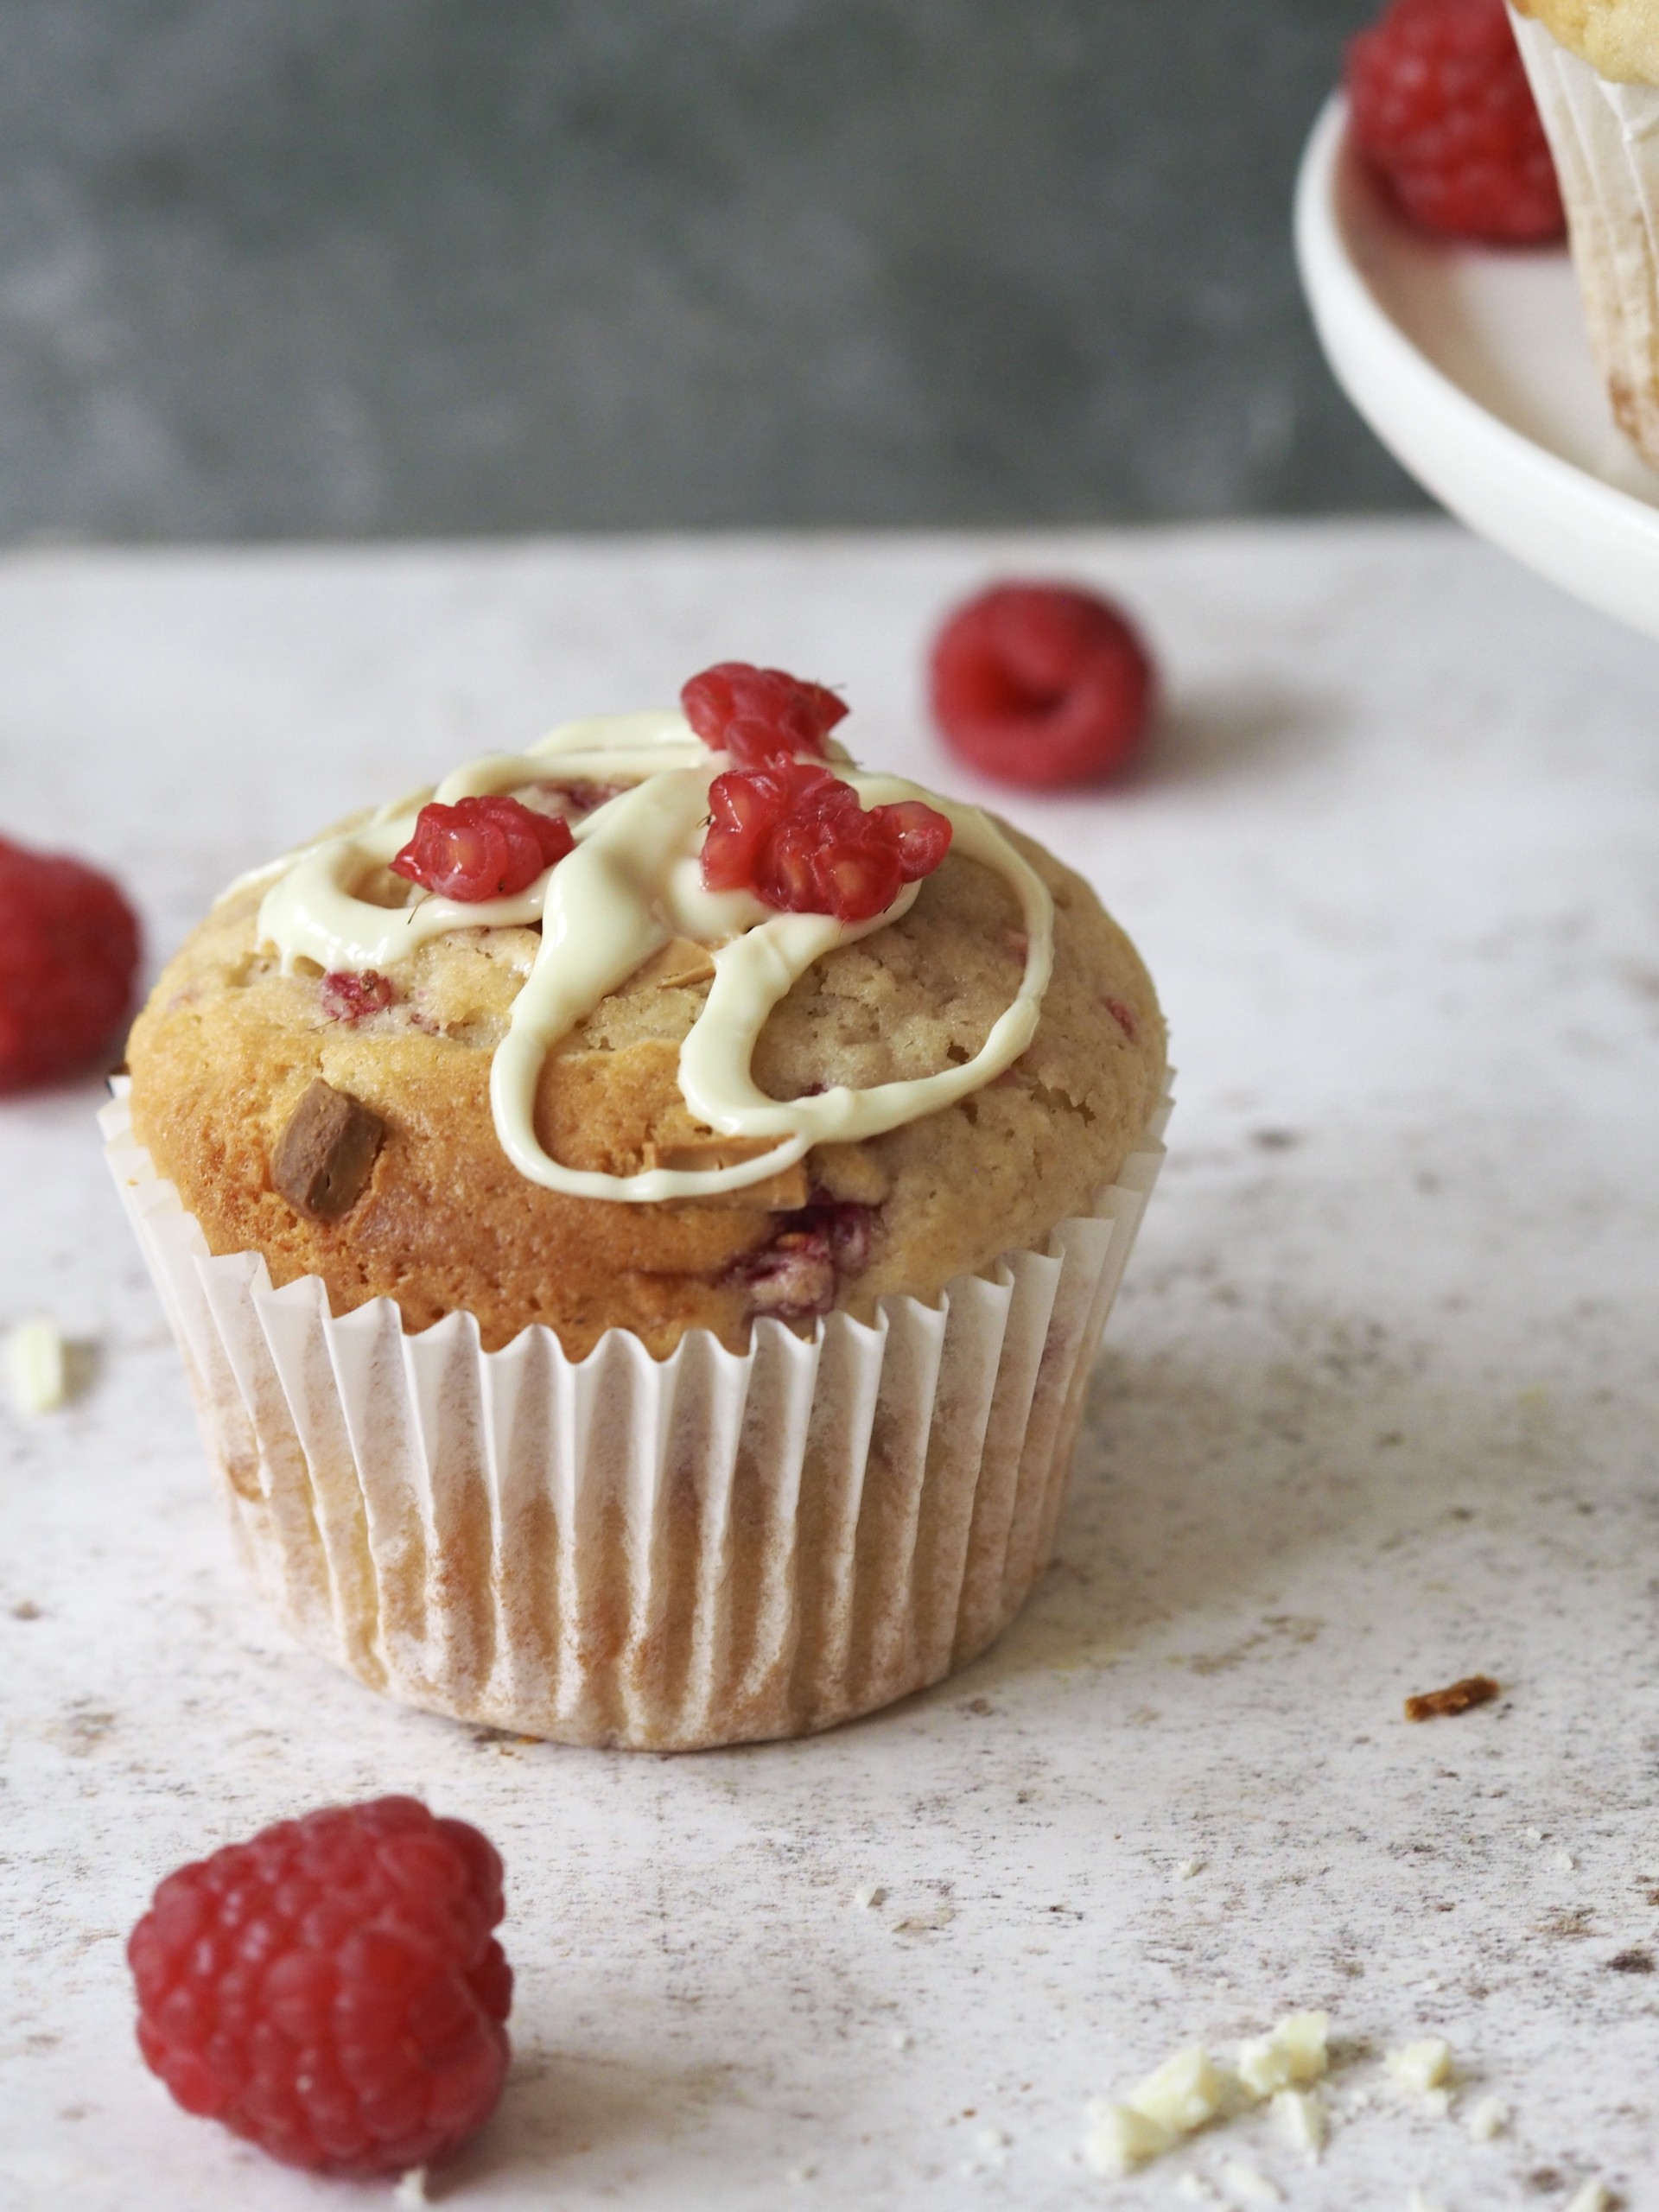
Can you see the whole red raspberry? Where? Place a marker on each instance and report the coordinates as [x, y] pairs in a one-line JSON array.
[[488, 848], [68, 959], [1042, 684], [757, 715], [1442, 112], [330, 1989]]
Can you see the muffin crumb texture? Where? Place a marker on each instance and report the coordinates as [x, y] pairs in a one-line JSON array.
[[229, 1050]]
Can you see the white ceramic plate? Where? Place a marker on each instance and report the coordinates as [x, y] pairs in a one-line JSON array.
[[1472, 367]]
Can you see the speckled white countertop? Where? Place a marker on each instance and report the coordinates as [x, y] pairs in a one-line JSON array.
[[1379, 1409]]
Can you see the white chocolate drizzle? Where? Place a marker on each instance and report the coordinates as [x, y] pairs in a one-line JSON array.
[[633, 882]]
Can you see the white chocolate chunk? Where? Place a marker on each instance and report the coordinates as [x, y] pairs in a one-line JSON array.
[[1288, 2056], [1421, 2066], [412, 2190], [1185, 2093], [1487, 2119], [1301, 2117], [1121, 2140], [36, 1368], [1594, 2196]]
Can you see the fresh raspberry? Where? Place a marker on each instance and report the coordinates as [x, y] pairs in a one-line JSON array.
[[330, 1989], [756, 715], [1442, 112], [488, 847], [68, 959], [796, 837], [1042, 684], [352, 998]]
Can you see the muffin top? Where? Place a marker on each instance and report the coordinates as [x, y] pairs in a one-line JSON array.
[[1618, 38], [642, 1068]]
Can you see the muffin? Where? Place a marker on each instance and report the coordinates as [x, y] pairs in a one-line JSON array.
[[1594, 68], [638, 1219]]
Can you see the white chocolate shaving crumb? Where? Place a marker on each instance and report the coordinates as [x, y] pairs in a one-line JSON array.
[[412, 2188], [1301, 2117], [1487, 2119], [1421, 2066], [899, 2040], [1188, 1868], [1290, 2056], [1122, 2139], [870, 1894], [1253, 2188], [36, 1368], [1189, 2090], [1418, 2203], [1594, 2196], [1185, 2092]]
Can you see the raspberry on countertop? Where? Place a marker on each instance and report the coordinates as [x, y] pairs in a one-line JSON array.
[[69, 945], [1043, 685], [331, 1989]]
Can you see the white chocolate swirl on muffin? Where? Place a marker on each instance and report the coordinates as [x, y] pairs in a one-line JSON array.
[[632, 885]]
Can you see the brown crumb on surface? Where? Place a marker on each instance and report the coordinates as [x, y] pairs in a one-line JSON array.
[[1456, 1697], [1631, 1962]]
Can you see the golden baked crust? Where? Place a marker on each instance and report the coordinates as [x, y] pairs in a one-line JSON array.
[[1618, 38], [228, 1046]]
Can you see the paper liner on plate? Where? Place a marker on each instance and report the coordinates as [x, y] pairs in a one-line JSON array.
[[1605, 138], [667, 1554]]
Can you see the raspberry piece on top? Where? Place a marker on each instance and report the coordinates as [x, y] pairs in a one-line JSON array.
[[331, 1989], [796, 837], [1441, 110], [1042, 684], [489, 848], [760, 714], [69, 946]]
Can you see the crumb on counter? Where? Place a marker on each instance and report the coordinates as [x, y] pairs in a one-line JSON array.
[[1457, 1697], [412, 2188], [1422, 2067], [1594, 2196], [1189, 2090], [1252, 2187], [1487, 2119], [1301, 2117], [36, 1368]]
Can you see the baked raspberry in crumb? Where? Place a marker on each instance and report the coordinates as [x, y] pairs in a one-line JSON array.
[[352, 998], [1042, 684], [796, 1276], [331, 1989], [489, 848], [69, 950], [1441, 110]]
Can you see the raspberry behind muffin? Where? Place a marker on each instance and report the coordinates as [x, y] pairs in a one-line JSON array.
[[636, 1306]]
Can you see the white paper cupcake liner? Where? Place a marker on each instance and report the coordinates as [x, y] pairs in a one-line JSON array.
[[709, 1548], [1605, 138]]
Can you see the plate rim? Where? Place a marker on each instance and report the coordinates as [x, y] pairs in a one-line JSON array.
[[1505, 479]]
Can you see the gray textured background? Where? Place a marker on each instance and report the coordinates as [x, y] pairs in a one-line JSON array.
[[321, 267]]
